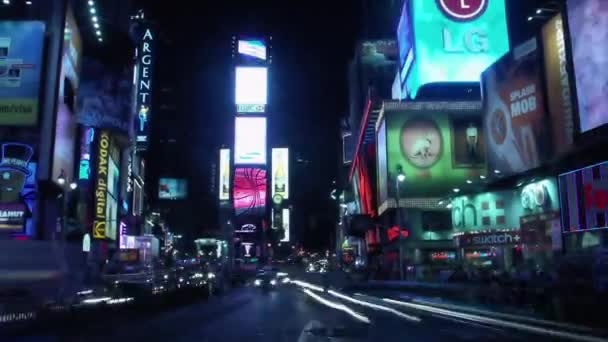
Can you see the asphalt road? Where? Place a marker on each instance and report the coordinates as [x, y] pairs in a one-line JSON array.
[[248, 314]]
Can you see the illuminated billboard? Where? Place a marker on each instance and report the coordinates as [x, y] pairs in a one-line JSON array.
[[250, 141], [249, 191], [252, 48], [438, 146], [589, 35], [251, 89], [286, 225], [453, 40], [101, 186], [280, 172], [172, 189], [21, 46], [145, 61], [224, 184], [515, 118]]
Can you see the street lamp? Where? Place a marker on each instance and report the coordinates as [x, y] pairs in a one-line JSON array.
[[61, 179], [400, 179]]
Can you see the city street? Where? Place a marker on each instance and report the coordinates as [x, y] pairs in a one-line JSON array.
[[285, 315]]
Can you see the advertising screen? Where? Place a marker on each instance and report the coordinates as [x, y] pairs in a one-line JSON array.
[[21, 44], [251, 89], [381, 162], [143, 101], [454, 41], [583, 197], [557, 80], [280, 172], [224, 183], [100, 228], [172, 189], [405, 39], [250, 141], [253, 48], [438, 145], [18, 184], [514, 112], [588, 21], [286, 226], [249, 191]]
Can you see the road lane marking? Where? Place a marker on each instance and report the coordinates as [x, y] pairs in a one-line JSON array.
[[338, 306], [497, 322]]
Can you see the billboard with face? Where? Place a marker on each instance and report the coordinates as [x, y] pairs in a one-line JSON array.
[[454, 40], [21, 45], [436, 144], [249, 191], [588, 21], [515, 118]]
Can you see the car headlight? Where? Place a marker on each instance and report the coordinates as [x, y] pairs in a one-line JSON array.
[[257, 282], [210, 275], [286, 280], [273, 282]]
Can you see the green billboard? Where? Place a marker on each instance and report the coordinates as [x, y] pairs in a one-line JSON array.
[[454, 40], [437, 145]]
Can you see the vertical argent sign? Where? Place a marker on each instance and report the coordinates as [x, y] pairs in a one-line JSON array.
[[144, 87], [101, 186]]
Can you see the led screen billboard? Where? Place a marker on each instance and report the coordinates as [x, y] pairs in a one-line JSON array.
[[18, 184], [249, 191], [438, 145], [250, 141], [515, 118], [253, 48], [558, 83], [381, 161], [286, 224], [144, 72], [251, 89], [21, 45], [584, 198], [454, 40], [280, 172], [405, 38], [224, 183], [172, 189], [588, 21]]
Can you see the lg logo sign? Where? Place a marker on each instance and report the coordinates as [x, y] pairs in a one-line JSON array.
[[463, 10]]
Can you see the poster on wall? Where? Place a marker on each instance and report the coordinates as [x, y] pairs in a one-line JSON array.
[[515, 119], [105, 97], [588, 22], [453, 41], [434, 155], [583, 197], [280, 172], [249, 191], [21, 47], [557, 79], [18, 186]]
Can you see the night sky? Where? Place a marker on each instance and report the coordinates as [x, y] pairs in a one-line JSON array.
[[312, 44]]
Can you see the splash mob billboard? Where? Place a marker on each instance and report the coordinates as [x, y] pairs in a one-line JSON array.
[[515, 119], [21, 45], [438, 145], [449, 40]]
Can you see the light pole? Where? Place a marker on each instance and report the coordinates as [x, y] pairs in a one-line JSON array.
[[398, 181]]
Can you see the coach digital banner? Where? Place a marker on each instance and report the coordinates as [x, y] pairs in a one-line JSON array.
[[145, 62], [438, 146], [280, 172], [589, 35], [249, 191], [101, 185], [454, 40], [584, 198], [515, 119], [557, 80], [250, 141], [224, 183], [21, 46], [251, 89]]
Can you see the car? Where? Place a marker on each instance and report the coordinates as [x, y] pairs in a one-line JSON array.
[[270, 280]]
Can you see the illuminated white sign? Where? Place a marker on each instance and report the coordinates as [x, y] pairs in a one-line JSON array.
[[247, 228], [280, 172], [144, 87], [250, 141], [251, 86], [224, 184], [253, 48], [286, 225]]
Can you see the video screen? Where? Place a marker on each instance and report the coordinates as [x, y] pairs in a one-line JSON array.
[[251, 86], [250, 141], [253, 48], [172, 189], [249, 191]]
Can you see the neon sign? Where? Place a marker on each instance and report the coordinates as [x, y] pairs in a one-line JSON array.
[[101, 186], [144, 88]]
